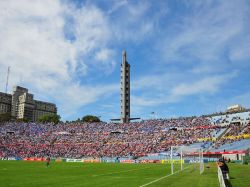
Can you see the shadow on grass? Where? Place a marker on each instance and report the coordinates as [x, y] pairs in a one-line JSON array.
[[228, 184]]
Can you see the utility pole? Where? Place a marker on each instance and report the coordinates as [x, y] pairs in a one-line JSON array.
[[7, 81]]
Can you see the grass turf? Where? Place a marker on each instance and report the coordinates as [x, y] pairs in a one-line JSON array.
[[239, 175], [28, 174]]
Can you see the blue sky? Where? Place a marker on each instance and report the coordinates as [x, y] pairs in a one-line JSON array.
[[187, 57]]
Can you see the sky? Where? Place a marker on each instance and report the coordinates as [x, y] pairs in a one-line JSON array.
[[187, 57]]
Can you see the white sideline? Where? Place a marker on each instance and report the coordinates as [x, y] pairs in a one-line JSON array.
[[161, 178]]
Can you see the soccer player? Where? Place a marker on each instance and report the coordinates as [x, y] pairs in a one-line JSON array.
[[47, 161]]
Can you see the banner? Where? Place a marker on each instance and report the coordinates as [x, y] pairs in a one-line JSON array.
[[91, 160], [74, 160], [11, 158], [127, 161], [245, 136], [35, 159], [173, 161], [224, 152], [8, 158], [150, 161], [206, 139]]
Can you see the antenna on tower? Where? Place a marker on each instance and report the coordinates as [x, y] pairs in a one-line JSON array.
[[7, 81]]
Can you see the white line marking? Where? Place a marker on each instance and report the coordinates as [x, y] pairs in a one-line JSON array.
[[162, 178]]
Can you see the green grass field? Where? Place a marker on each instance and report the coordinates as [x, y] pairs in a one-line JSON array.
[[27, 174]]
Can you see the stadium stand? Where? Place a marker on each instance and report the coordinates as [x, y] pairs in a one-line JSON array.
[[129, 140]]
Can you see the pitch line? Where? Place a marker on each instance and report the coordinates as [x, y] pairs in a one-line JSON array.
[[156, 180]]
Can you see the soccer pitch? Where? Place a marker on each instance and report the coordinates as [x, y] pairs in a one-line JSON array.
[[20, 173]]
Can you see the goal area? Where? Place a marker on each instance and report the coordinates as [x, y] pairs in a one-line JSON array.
[[182, 157]]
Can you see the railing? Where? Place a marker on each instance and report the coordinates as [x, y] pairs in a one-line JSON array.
[[221, 178]]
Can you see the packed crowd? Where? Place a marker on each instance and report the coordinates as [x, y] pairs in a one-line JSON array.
[[234, 132], [78, 140]]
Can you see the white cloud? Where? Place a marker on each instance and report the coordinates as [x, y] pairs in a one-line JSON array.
[[206, 85], [76, 96], [104, 54], [53, 48], [144, 101], [117, 5], [156, 90], [159, 80], [91, 28], [133, 22], [240, 51], [207, 32], [33, 43], [242, 99], [158, 99], [104, 60]]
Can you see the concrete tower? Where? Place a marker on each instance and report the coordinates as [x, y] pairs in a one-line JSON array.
[[125, 89]]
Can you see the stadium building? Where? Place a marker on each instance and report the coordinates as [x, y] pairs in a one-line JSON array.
[[125, 89], [21, 105], [235, 108]]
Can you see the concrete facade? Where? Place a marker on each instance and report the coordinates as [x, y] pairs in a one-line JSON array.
[[235, 108], [125, 89], [22, 105], [5, 103]]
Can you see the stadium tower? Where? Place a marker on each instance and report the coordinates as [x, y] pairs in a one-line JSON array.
[[125, 89], [125, 92]]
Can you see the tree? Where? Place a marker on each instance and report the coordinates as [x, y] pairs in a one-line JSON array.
[[47, 118], [90, 119], [25, 120]]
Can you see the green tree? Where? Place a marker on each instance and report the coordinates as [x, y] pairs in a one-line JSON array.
[[49, 118], [90, 119], [22, 120]]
